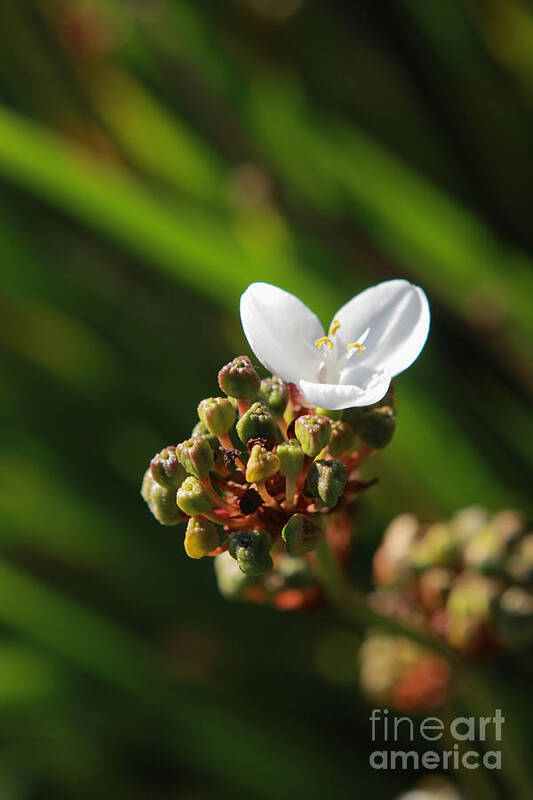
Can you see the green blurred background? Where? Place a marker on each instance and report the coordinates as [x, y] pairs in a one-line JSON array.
[[155, 158]]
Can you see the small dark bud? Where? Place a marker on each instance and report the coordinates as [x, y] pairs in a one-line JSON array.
[[229, 457], [275, 394], [250, 502], [300, 535], [376, 427], [166, 468], [251, 550], [327, 480], [257, 422], [239, 379]]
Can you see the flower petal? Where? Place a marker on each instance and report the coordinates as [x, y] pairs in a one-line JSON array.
[[335, 396], [392, 318], [281, 331]]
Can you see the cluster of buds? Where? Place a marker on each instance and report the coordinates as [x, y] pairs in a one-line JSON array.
[[261, 475], [397, 673], [468, 581]]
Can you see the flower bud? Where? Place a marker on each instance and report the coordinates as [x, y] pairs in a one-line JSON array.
[[300, 535], [166, 469], [257, 423], [161, 501], [201, 537], [196, 456], [217, 414], [313, 432], [342, 438], [436, 548], [239, 379], [251, 550], [275, 394], [261, 465], [376, 426], [193, 498], [291, 457], [327, 480], [202, 430]]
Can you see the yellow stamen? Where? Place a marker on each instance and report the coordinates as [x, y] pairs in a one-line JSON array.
[[335, 325], [324, 340], [356, 346]]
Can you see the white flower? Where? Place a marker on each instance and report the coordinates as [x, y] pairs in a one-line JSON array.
[[372, 338]]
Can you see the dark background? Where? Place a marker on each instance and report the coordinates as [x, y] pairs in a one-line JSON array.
[[155, 158]]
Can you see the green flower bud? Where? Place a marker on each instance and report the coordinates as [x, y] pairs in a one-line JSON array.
[[251, 550], [217, 414], [166, 469], [300, 535], [201, 537], [161, 501], [196, 456], [261, 465], [231, 581], [313, 432], [193, 498], [239, 379], [202, 430], [376, 426], [257, 423], [275, 394], [342, 438], [291, 457], [327, 480], [436, 548]]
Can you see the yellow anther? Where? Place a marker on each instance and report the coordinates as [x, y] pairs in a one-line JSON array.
[[335, 325], [356, 346], [324, 340]]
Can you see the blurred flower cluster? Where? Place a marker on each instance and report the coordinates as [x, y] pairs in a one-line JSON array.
[[468, 580], [398, 673]]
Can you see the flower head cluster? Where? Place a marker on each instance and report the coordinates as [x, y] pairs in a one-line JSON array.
[[468, 580], [269, 460], [260, 472]]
